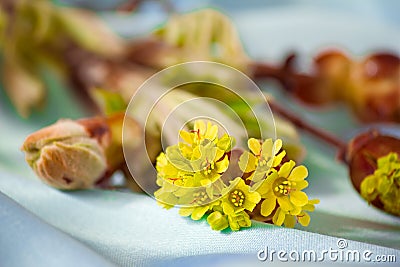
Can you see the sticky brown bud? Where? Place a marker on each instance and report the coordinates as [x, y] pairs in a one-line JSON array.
[[363, 151], [66, 155]]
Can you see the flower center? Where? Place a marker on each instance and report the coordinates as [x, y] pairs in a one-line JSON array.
[[237, 197], [282, 187], [262, 161], [209, 166], [199, 198]]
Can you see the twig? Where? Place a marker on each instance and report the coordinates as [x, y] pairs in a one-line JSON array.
[[300, 123]]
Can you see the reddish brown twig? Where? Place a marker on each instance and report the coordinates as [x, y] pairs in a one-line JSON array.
[[285, 74], [300, 123]]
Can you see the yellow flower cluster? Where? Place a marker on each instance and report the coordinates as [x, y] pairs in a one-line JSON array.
[[189, 172], [278, 184], [384, 184], [191, 175]]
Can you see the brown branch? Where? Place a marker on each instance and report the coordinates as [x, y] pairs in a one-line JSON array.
[[285, 74], [300, 123]]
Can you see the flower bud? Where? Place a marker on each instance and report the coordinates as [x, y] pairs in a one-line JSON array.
[[217, 221], [67, 155], [239, 220], [374, 169]]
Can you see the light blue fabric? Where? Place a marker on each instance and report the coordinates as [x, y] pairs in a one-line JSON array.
[[130, 229], [25, 240]]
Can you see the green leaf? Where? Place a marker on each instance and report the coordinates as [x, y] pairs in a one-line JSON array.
[[108, 102]]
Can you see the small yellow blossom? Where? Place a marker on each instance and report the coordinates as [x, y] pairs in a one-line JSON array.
[[261, 158], [197, 162], [238, 197], [284, 187], [200, 132]]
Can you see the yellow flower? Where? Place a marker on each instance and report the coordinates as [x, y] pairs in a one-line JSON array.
[[167, 172], [238, 197], [262, 156], [197, 162], [200, 132], [284, 187], [289, 220]]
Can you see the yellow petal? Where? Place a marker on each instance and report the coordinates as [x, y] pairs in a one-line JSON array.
[[267, 148], [277, 146], [185, 211], [271, 178], [264, 189], [304, 219], [290, 221], [247, 162], [218, 154], [170, 170], [222, 165], [296, 210], [309, 207], [286, 168], [161, 162], [301, 185], [227, 208], [268, 206], [298, 198], [225, 143], [279, 217], [187, 137], [239, 184], [254, 146], [314, 201], [200, 126], [199, 212], [258, 175], [285, 203], [298, 173], [253, 197], [205, 182], [212, 131], [278, 158]]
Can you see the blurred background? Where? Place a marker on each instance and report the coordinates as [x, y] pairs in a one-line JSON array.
[[71, 64]]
